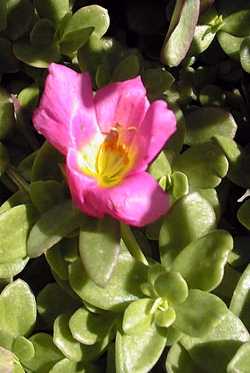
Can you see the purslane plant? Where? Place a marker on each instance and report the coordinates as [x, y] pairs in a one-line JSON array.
[[108, 139], [110, 292]]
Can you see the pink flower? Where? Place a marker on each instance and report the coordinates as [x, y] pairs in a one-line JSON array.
[[108, 139]]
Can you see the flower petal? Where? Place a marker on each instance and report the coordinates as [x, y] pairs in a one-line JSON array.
[[124, 103], [85, 192], [157, 127], [138, 200], [67, 99]]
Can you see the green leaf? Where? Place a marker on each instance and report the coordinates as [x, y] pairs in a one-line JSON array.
[[214, 351], [53, 225], [139, 353], [245, 54], [239, 161], [123, 287], [7, 119], [202, 262], [28, 99], [240, 302], [88, 328], [17, 24], [178, 228], [237, 23], [160, 166], [182, 34], [179, 185], [203, 37], [230, 44], [137, 316], [63, 339], [99, 51], [13, 268], [20, 319], [9, 362], [23, 348], [241, 360], [243, 214], [46, 194], [70, 366], [46, 164], [172, 287], [14, 227], [74, 40], [92, 16], [179, 361], [157, 81], [51, 300], [175, 144], [165, 319], [19, 198], [199, 314], [204, 164], [35, 55], [46, 353], [57, 262], [42, 33], [128, 68], [99, 247], [54, 10], [206, 122]]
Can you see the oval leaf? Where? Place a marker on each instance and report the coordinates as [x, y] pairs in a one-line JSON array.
[[99, 246]]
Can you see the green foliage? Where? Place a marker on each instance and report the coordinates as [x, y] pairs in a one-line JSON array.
[[110, 297]]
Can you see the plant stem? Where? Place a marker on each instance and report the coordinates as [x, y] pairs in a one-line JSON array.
[[131, 244]]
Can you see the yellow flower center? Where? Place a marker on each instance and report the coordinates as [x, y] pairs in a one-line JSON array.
[[107, 159]]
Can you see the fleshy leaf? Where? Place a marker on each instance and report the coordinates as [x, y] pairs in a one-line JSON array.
[[214, 351], [46, 353], [240, 302], [53, 225], [13, 320], [123, 287], [243, 214], [199, 314], [204, 164], [241, 360], [137, 316], [179, 361], [64, 341], [206, 122], [178, 230], [51, 300], [88, 328], [139, 353], [54, 10], [202, 262], [99, 248], [14, 227], [182, 34], [172, 287]]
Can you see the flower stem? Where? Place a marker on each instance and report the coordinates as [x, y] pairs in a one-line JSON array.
[[17, 179], [131, 244]]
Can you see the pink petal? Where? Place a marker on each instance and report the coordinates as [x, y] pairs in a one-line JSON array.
[[157, 127], [122, 103], [67, 99], [138, 200], [84, 189]]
